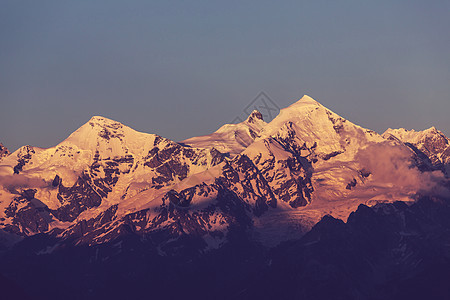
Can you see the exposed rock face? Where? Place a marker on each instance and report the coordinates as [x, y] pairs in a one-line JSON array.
[[23, 157], [4, 152], [84, 194], [173, 218], [255, 117], [28, 214], [287, 173]]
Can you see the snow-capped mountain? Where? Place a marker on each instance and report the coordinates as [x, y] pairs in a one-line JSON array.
[[231, 138], [273, 181], [430, 142], [100, 165]]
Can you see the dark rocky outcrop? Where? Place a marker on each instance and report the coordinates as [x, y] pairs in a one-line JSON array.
[[4, 152], [23, 157], [384, 252], [28, 214]]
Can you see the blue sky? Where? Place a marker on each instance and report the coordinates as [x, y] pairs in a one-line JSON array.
[[183, 69]]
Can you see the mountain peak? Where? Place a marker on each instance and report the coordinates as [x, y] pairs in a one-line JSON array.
[[303, 109], [98, 129], [99, 120], [255, 115], [95, 118], [305, 101], [301, 106], [432, 130], [309, 99], [231, 138], [412, 136], [102, 124]]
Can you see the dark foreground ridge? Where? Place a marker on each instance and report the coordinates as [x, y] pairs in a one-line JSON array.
[[389, 251]]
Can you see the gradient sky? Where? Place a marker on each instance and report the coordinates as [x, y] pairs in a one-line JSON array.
[[183, 69]]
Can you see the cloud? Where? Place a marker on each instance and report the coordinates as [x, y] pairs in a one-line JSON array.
[[16, 182], [393, 164]]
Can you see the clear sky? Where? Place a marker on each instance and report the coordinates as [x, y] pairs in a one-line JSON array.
[[184, 68]]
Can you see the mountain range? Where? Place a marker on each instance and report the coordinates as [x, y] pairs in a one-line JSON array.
[[308, 179]]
